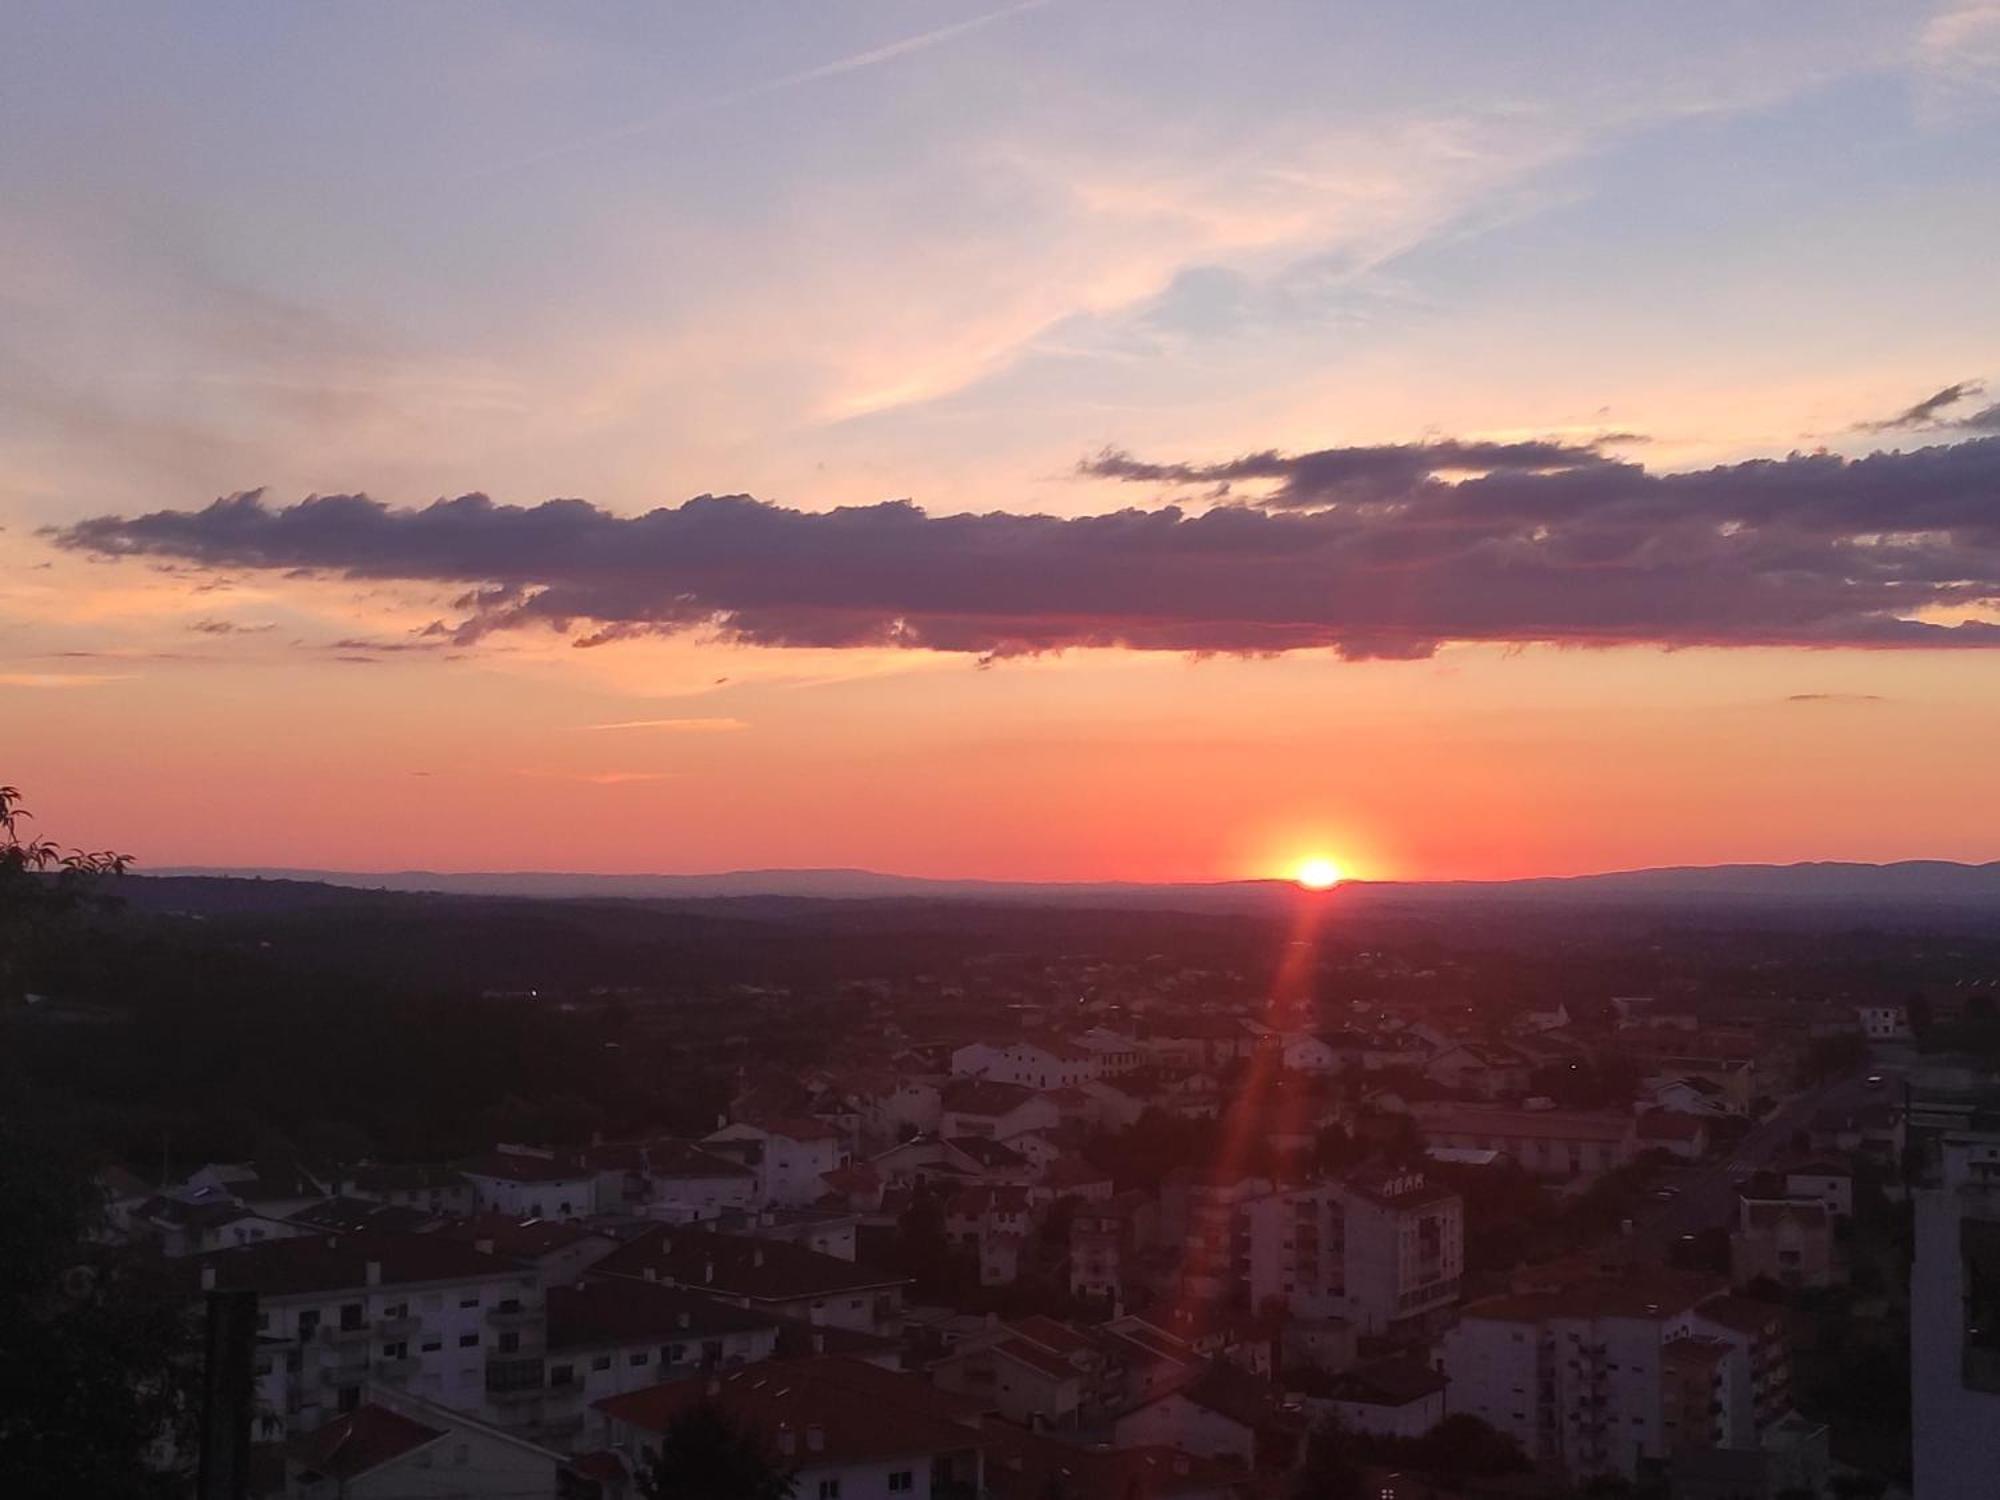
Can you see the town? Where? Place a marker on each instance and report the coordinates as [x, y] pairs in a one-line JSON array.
[[1141, 1231]]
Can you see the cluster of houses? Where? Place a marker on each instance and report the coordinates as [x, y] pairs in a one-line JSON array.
[[544, 1314]]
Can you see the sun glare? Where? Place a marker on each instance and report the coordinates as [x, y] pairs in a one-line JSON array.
[[1318, 874]]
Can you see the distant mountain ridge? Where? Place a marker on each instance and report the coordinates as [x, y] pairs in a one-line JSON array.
[[1907, 882]]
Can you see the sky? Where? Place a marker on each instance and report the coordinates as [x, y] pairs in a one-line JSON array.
[[1075, 439]]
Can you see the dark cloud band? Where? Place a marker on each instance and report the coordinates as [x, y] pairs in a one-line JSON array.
[[1368, 551]]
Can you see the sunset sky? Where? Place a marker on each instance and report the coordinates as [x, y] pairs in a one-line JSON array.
[[1134, 439]]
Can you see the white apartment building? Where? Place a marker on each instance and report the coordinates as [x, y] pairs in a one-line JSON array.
[[1047, 1063], [1403, 1243], [1595, 1378], [610, 1335], [790, 1157], [424, 1314], [526, 1182], [1955, 1321], [1884, 1023]]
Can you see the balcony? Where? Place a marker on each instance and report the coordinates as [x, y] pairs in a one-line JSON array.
[[396, 1370], [347, 1366], [397, 1328], [345, 1333], [512, 1315]]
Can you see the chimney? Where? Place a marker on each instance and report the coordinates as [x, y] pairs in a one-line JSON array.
[[707, 1272], [374, 1273], [1180, 1462], [757, 1256], [684, 1320], [651, 1273], [208, 1278], [484, 1247], [788, 1441], [819, 1342], [715, 1385], [816, 1438]]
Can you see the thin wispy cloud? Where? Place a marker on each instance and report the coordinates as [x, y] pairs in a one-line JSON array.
[[853, 63], [676, 726], [61, 679], [600, 778], [1929, 412]]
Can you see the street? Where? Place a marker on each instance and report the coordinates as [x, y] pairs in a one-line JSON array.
[[1707, 1192]]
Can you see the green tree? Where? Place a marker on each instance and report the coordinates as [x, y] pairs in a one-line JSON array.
[[96, 1348], [43, 887], [705, 1455]]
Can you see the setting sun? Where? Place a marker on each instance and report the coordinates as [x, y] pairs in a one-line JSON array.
[[1318, 874]]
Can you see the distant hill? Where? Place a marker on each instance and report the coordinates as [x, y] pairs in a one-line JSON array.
[[1910, 883]]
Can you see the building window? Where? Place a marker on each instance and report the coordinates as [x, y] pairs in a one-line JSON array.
[[472, 1301], [468, 1341], [637, 1357], [829, 1489], [431, 1346], [902, 1482], [510, 1342], [601, 1362]]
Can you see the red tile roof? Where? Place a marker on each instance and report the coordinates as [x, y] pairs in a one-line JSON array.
[[622, 1311], [740, 1266], [515, 1166], [860, 1412], [524, 1239], [277, 1268], [363, 1439]]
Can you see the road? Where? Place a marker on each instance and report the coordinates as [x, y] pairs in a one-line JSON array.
[[1707, 1197]]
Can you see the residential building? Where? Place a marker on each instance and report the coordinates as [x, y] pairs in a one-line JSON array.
[[395, 1448], [1395, 1397], [847, 1429], [342, 1313], [275, 1189], [672, 1179], [612, 1334], [1222, 1413], [1685, 1135], [558, 1251], [1016, 1377], [526, 1182], [779, 1280], [791, 1156], [1787, 1240], [1401, 1241], [434, 1189], [1885, 1023], [1489, 1070], [1955, 1317], [984, 1107], [1823, 1181], [1615, 1374], [207, 1220], [1756, 1392], [1563, 1144]]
